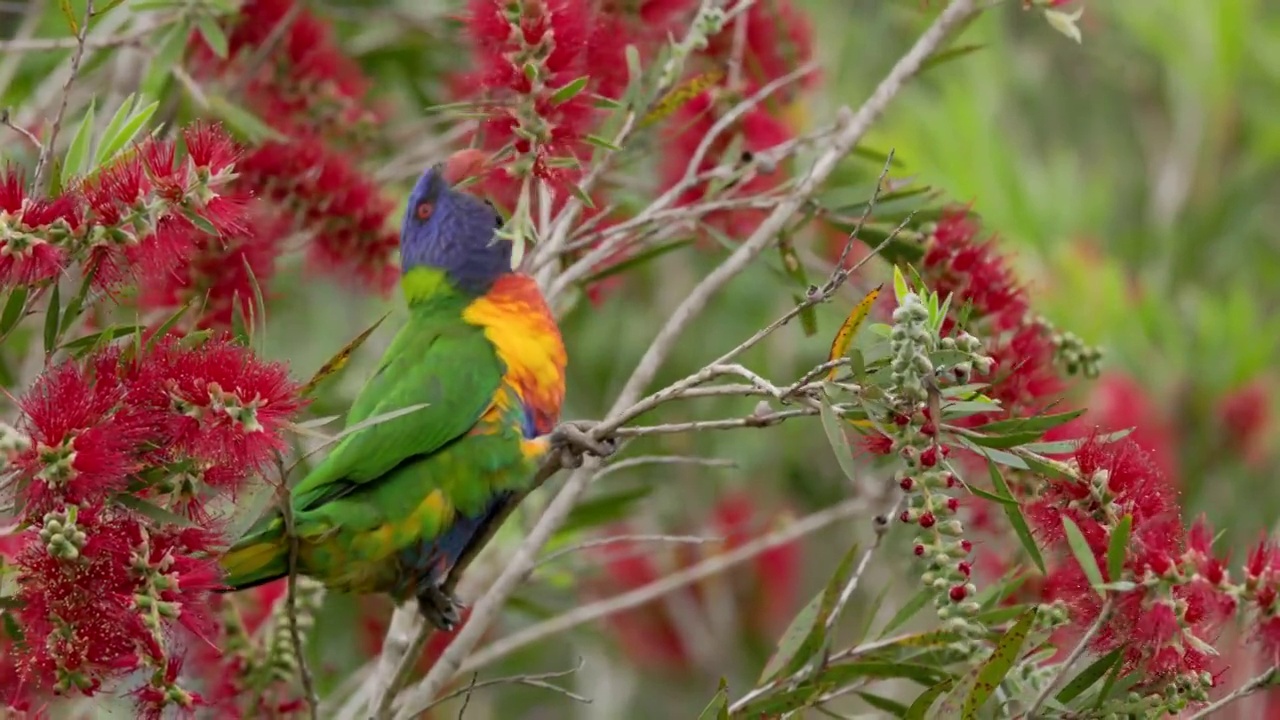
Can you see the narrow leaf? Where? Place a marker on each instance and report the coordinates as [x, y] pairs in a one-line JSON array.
[[242, 121], [167, 57], [164, 327], [878, 702], [908, 611], [1117, 547], [602, 142], [1011, 440], [70, 15], [51, 321], [806, 635], [340, 359], [259, 304], [838, 440], [569, 91], [1041, 423], [948, 55], [900, 289], [840, 345], [153, 511], [13, 308], [719, 705], [1090, 675], [78, 156], [88, 342], [1016, 520], [213, 35], [116, 138], [1083, 554], [1002, 659], [920, 707], [993, 497]]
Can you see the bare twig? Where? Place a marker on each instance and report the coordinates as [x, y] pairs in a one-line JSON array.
[[7, 121], [1252, 686], [21, 45], [46, 153], [641, 460], [537, 681], [1061, 673], [616, 539], [285, 500], [658, 588]]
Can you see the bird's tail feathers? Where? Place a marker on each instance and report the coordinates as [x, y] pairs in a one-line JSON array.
[[259, 557]]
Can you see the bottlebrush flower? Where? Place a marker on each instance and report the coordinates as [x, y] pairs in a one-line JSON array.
[[764, 589], [98, 594], [226, 407], [1245, 416], [1167, 622], [316, 96], [1024, 377], [1118, 402], [32, 231], [526, 53], [221, 273]]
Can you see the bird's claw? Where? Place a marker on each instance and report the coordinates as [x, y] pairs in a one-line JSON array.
[[439, 608], [573, 440]]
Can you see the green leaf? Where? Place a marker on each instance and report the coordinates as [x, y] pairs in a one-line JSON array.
[[241, 327], [908, 611], [992, 672], [838, 440], [259, 305], [900, 289], [151, 510], [51, 321], [920, 707], [807, 632], [1110, 683], [168, 56], [1011, 440], [570, 90], [213, 35], [13, 308], [602, 142], [993, 497], [340, 359], [1016, 520], [1090, 675], [1083, 554], [719, 706], [1063, 447], [242, 121], [998, 456], [78, 154], [1039, 423], [73, 309], [893, 707], [168, 324], [845, 673], [1116, 548], [945, 56], [119, 134], [90, 342]]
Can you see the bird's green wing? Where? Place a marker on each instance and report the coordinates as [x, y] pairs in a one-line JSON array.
[[438, 360]]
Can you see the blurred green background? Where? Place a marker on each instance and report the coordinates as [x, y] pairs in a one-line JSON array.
[[1134, 180]]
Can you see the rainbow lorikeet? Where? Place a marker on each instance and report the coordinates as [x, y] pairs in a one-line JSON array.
[[395, 504]]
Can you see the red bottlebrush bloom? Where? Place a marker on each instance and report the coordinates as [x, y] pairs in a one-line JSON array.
[[1118, 402], [325, 194], [1245, 417], [163, 693], [82, 436], [779, 39], [223, 271], [526, 52], [30, 232], [876, 443], [227, 407], [1024, 378]]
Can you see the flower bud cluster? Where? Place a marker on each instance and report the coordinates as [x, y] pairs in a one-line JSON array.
[[926, 476], [1074, 355], [279, 662]]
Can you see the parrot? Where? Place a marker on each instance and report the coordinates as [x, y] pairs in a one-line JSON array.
[[396, 503]]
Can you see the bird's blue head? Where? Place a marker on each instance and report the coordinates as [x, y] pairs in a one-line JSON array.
[[452, 232]]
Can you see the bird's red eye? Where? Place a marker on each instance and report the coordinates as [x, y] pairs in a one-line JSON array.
[[424, 210]]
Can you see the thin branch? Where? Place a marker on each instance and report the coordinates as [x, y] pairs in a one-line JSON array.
[[616, 539], [284, 497], [753, 421], [641, 460], [1061, 673], [46, 153], [7, 120], [647, 593], [1249, 688], [132, 37], [536, 681]]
